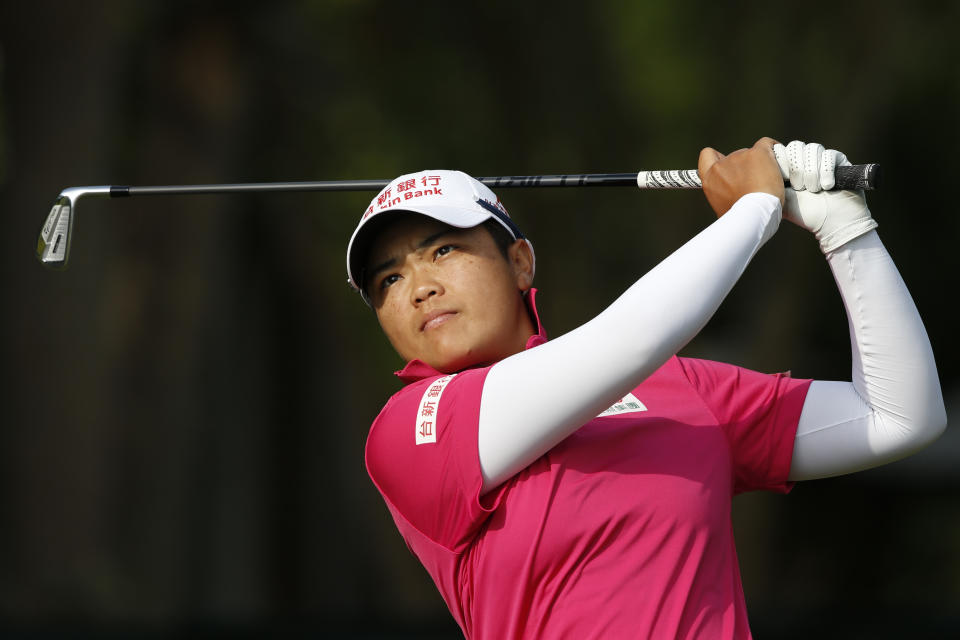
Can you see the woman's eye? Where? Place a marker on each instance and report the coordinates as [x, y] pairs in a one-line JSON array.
[[445, 249], [389, 280]]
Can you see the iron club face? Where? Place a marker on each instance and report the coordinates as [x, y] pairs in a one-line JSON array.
[[53, 246]]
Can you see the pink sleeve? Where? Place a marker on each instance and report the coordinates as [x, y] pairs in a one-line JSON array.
[[421, 454], [759, 413]]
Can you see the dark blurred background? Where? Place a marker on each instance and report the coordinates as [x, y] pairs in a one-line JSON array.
[[183, 411]]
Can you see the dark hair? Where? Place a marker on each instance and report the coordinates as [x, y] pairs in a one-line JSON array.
[[501, 237]]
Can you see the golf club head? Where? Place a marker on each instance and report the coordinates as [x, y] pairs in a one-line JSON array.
[[53, 246]]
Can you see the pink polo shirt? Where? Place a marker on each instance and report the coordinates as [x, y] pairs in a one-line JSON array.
[[622, 530]]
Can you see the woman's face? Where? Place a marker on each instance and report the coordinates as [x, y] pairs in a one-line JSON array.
[[448, 296]]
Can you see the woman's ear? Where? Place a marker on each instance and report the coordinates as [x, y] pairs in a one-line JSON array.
[[521, 261]]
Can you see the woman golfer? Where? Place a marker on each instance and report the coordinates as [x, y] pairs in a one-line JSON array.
[[581, 487]]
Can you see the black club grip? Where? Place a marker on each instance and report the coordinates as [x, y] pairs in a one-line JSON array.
[[857, 176]]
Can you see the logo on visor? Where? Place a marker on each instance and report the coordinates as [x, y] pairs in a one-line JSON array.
[[403, 191], [497, 204]]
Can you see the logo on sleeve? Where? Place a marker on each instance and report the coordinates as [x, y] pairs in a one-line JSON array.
[[426, 423], [626, 404]]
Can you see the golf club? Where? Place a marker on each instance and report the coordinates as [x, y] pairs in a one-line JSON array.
[[53, 246]]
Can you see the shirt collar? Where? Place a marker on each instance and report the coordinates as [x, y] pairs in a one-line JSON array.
[[418, 369]]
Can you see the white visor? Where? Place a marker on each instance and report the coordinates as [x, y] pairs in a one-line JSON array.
[[452, 197]]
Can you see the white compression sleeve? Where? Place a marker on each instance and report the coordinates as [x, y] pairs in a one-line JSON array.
[[534, 399], [894, 406]]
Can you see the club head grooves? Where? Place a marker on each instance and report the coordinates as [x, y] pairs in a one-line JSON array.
[[53, 245]]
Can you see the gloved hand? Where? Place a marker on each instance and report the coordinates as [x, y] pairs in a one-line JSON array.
[[834, 217]]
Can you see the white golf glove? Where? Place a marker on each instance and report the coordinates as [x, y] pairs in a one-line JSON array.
[[834, 217]]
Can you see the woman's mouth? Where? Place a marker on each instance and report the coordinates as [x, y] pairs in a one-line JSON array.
[[435, 319]]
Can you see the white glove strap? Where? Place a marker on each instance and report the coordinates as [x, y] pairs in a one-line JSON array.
[[844, 234]]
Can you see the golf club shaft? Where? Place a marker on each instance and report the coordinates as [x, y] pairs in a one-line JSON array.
[[566, 180], [850, 177], [570, 180]]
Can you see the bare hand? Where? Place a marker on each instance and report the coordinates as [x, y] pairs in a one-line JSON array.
[[726, 178]]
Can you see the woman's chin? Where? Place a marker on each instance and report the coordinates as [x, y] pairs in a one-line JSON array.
[[453, 361]]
